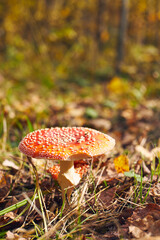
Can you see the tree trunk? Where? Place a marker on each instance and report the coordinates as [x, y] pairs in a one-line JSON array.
[[122, 35], [157, 25]]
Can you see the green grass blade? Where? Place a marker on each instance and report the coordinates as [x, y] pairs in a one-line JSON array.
[[14, 206]]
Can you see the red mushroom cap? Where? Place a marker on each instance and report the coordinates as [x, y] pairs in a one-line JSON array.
[[67, 143]]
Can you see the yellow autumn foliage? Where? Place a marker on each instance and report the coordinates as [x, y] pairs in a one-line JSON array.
[[121, 164], [118, 86]]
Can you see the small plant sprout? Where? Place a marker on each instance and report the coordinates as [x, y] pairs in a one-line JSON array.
[[66, 144]]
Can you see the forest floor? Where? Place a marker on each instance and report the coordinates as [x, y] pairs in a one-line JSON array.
[[118, 198]]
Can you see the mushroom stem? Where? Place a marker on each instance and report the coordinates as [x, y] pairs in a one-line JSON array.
[[67, 178]]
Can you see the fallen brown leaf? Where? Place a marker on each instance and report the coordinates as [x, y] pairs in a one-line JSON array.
[[148, 238], [10, 164], [5, 184], [145, 219], [107, 196], [100, 123], [137, 232], [13, 216], [13, 236], [109, 173]]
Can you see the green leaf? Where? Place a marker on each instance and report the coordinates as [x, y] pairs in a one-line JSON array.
[[131, 174], [91, 113], [109, 103]]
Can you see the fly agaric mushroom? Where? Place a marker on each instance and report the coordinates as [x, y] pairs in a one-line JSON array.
[[80, 168], [66, 144]]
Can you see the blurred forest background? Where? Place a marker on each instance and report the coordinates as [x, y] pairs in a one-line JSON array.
[[64, 62]]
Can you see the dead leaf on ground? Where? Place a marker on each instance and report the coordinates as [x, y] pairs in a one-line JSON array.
[[145, 114], [145, 219], [13, 236], [146, 170], [106, 236], [155, 153], [155, 192], [10, 164], [137, 232], [148, 238], [109, 173], [100, 123], [5, 184], [143, 151], [128, 138], [106, 196], [129, 115], [13, 216]]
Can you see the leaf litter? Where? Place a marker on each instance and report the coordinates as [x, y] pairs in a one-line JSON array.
[[120, 197]]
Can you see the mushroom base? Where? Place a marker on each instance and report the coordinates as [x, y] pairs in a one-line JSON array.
[[67, 178]]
